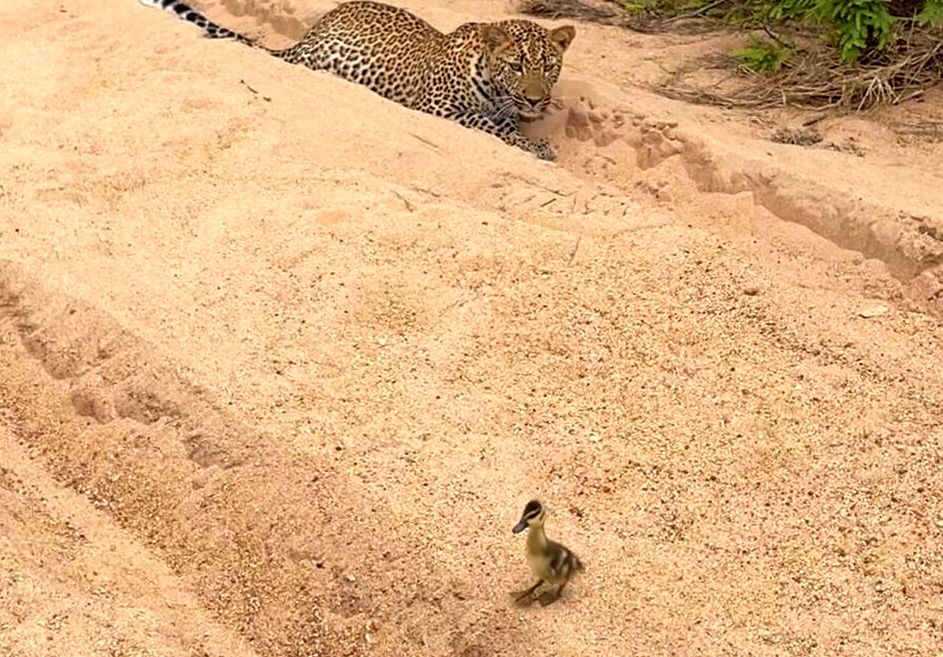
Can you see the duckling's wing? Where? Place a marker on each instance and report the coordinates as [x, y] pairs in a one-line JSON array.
[[562, 561]]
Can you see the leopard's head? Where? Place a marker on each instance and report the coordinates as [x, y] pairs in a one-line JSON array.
[[524, 61]]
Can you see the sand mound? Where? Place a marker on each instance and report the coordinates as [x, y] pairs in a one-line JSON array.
[[280, 362]]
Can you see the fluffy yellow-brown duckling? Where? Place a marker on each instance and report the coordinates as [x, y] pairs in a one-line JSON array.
[[552, 563]]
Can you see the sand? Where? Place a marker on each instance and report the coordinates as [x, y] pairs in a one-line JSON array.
[[281, 362]]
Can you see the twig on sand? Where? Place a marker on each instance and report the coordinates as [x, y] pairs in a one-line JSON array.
[[247, 86]]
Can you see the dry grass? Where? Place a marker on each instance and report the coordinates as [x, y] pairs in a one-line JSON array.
[[609, 13], [931, 131], [811, 79], [603, 14]]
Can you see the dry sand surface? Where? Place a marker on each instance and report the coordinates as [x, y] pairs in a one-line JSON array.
[[281, 362]]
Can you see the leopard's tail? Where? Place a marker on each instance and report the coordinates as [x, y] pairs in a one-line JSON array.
[[186, 12]]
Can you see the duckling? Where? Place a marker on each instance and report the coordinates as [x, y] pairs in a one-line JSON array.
[[551, 563]]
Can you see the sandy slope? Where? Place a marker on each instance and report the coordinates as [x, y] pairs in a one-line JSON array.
[[280, 362]]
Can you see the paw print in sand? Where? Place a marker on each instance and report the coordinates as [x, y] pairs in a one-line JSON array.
[[586, 122]]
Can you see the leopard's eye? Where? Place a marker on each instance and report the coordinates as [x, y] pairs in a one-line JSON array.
[[517, 66]]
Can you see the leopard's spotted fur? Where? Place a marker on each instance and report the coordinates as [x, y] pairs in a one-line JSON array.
[[487, 76]]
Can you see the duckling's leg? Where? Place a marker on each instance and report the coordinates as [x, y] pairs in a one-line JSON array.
[[549, 597], [520, 596]]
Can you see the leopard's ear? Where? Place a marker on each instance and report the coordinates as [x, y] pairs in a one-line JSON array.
[[562, 37], [497, 40]]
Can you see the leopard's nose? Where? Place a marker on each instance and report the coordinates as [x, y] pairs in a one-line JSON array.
[[533, 92]]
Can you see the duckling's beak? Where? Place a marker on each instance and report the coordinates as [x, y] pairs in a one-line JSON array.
[[520, 526]]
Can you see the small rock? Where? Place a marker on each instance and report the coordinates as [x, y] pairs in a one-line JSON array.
[[873, 311], [594, 437], [751, 290]]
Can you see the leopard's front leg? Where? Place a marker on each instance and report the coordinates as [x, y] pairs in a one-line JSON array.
[[507, 130]]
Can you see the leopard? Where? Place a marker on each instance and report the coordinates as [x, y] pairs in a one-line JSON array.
[[489, 76]]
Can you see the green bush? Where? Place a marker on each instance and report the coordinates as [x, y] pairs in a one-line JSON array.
[[860, 25], [932, 14], [762, 55]]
